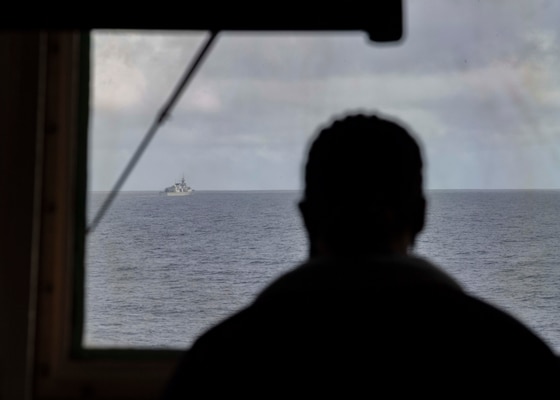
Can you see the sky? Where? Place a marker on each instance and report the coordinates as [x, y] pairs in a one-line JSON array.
[[477, 83]]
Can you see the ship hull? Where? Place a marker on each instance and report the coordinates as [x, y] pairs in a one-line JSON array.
[[177, 193]]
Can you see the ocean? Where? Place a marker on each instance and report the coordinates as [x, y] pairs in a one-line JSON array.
[[161, 270]]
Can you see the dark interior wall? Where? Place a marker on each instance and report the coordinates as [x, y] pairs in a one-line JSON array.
[[19, 159]]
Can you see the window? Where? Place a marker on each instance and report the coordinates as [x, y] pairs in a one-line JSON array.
[[161, 270], [479, 87]]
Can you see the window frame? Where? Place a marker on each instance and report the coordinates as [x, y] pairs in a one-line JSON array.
[[48, 73], [62, 367]]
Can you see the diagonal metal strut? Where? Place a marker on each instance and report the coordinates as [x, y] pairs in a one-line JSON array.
[[161, 118]]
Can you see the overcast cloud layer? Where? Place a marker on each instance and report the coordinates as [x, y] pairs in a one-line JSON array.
[[478, 83]]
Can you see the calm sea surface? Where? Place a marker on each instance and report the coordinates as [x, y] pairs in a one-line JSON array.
[[160, 270]]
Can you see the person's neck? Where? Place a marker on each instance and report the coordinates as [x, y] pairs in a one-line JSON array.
[[400, 245]]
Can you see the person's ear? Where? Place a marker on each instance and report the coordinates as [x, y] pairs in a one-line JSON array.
[[302, 208], [419, 217], [310, 226], [305, 214]]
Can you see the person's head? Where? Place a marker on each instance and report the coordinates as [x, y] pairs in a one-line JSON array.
[[363, 188]]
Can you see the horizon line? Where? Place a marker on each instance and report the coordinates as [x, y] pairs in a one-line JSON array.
[[298, 190]]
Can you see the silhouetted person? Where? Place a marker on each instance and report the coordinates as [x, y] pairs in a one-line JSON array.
[[363, 317]]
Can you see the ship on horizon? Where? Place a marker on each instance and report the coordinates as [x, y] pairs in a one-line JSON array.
[[179, 189]]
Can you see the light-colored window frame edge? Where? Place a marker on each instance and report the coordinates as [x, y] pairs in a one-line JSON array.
[[63, 369]]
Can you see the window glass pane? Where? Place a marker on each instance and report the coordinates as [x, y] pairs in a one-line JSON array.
[[477, 82]]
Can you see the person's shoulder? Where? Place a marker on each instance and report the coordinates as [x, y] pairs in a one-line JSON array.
[[431, 326], [372, 273]]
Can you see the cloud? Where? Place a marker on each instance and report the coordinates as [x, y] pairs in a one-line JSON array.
[[204, 100], [117, 85], [473, 80]]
